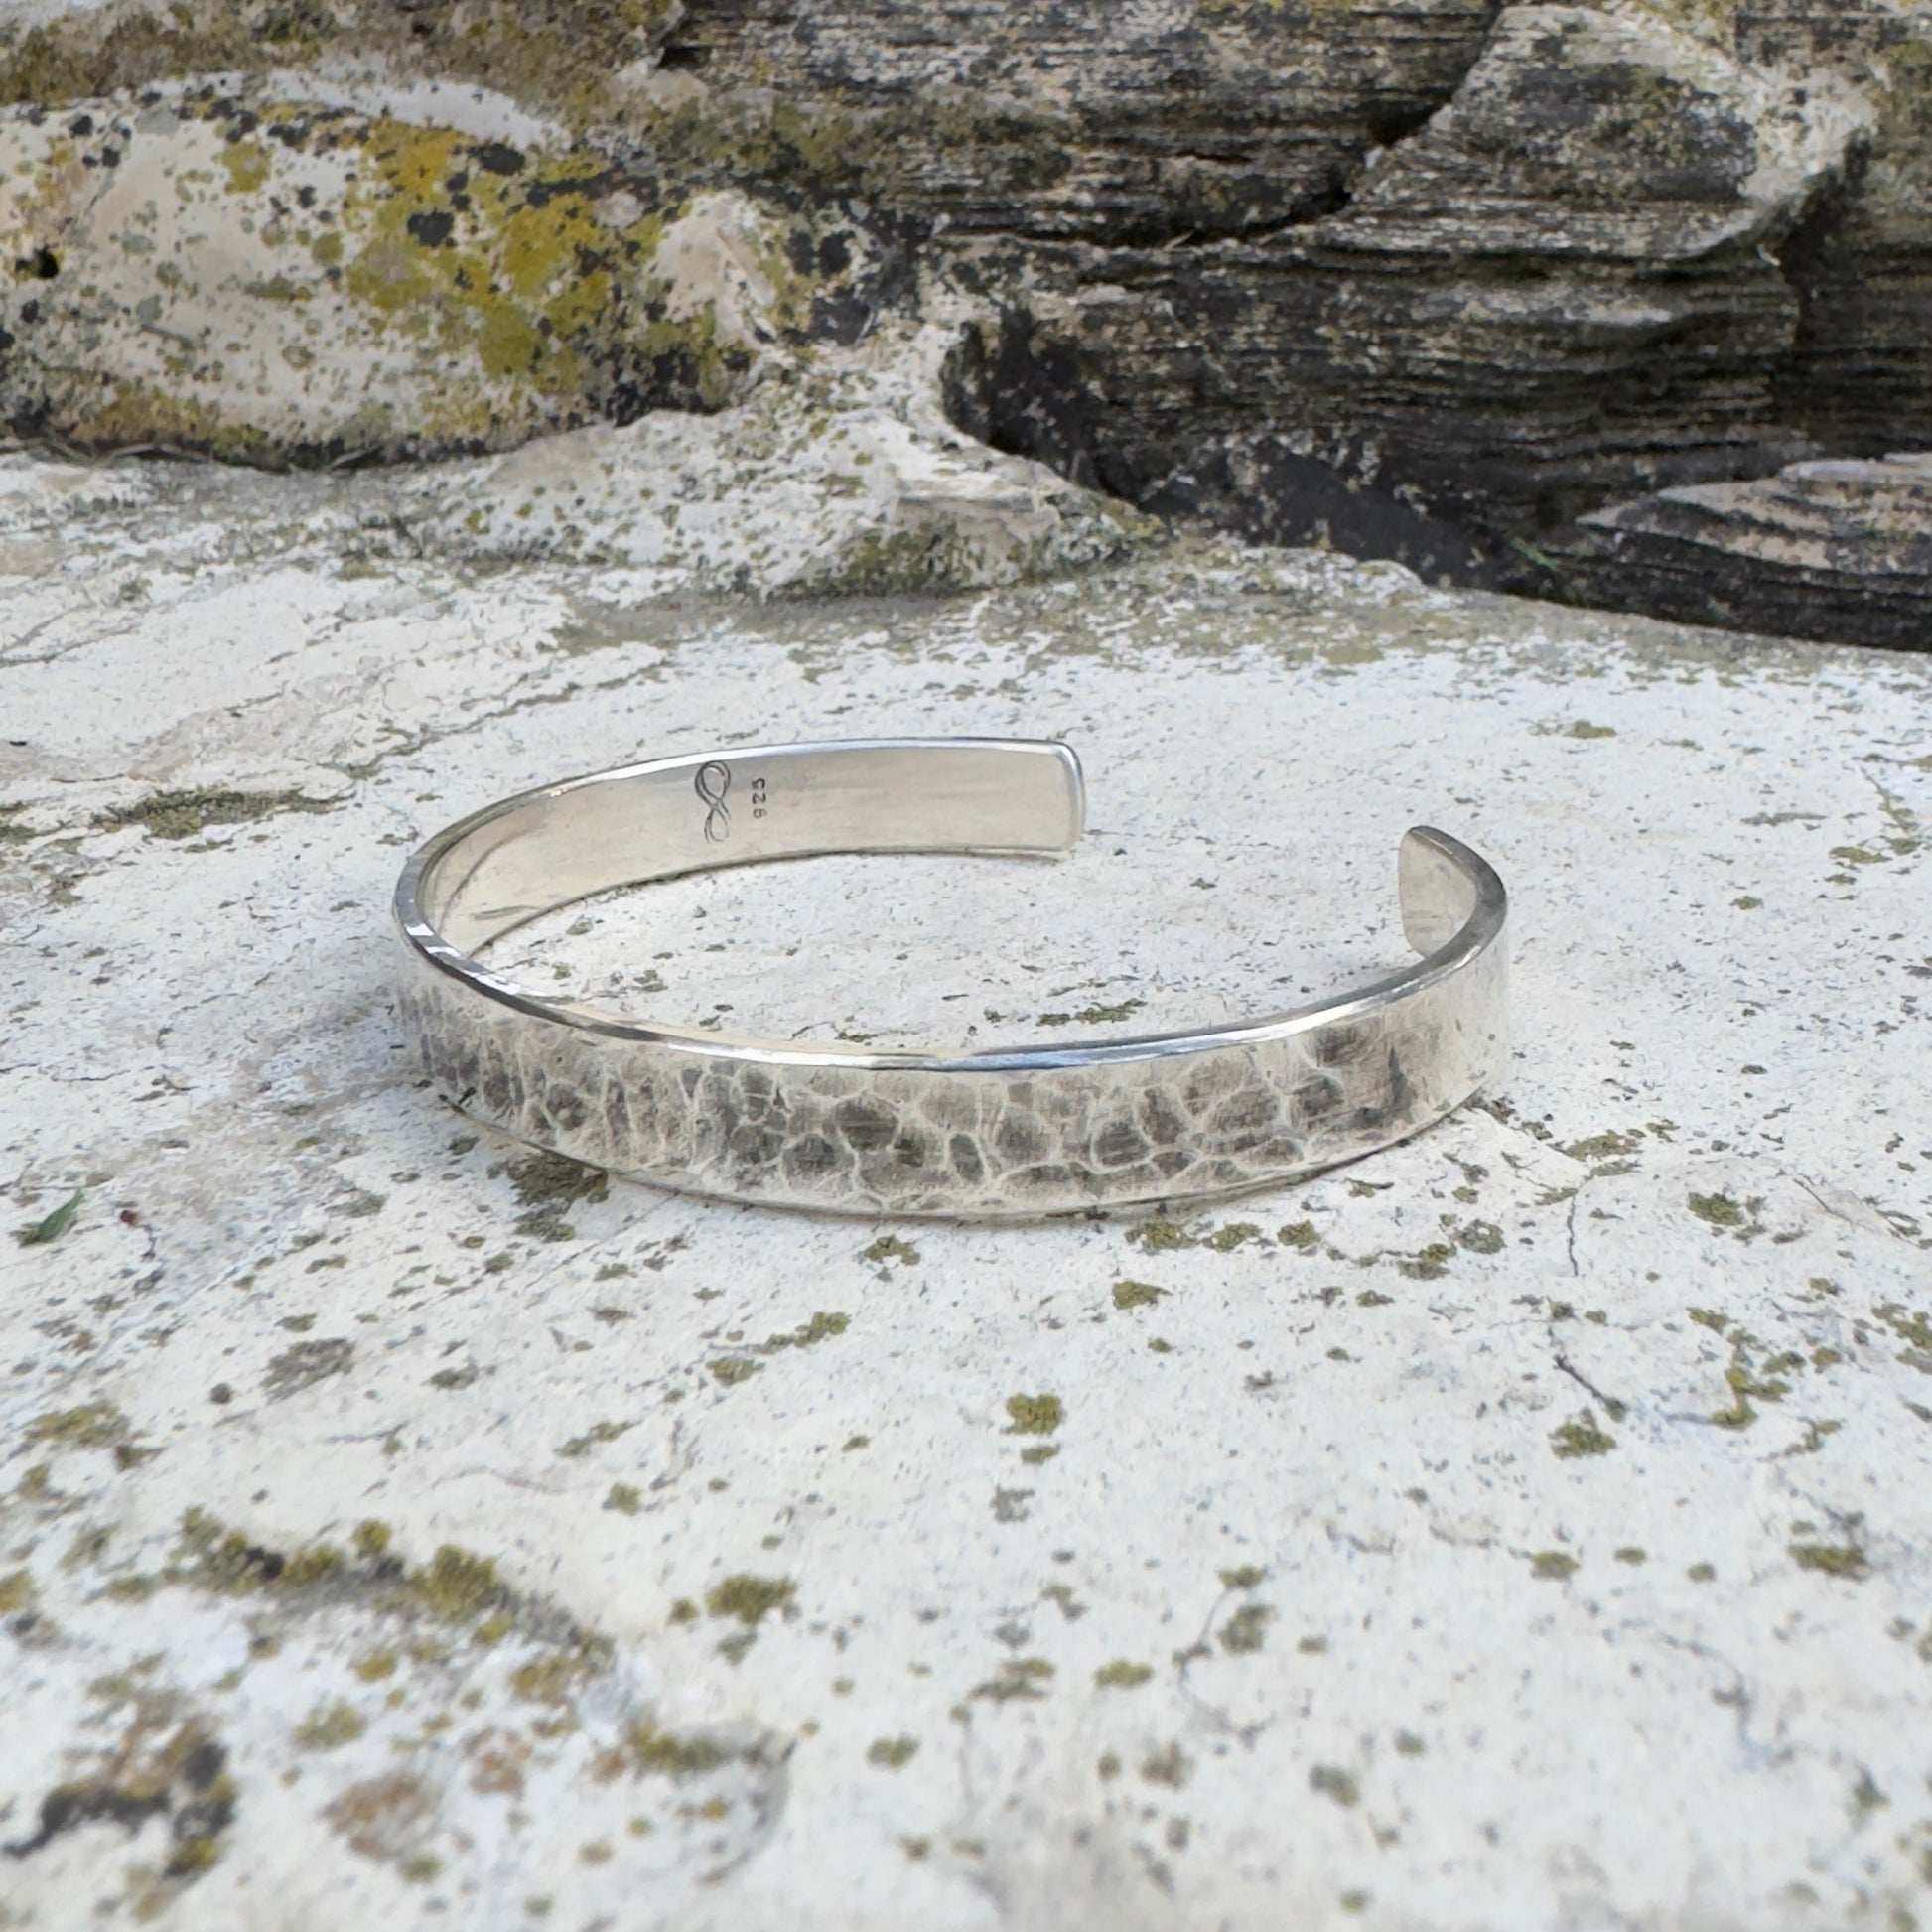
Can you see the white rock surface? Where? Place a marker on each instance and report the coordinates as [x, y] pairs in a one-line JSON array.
[[1527, 1528]]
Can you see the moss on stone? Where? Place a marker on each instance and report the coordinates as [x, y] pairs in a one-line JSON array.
[[1830, 1559], [549, 1180], [1121, 1675], [1034, 1415], [662, 1753], [182, 814], [821, 1328], [1017, 1680], [92, 1424], [1224, 1240], [551, 1678], [457, 1584], [749, 1598], [50, 1227], [1580, 1437], [1246, 1630], [1717, 1210], [330, 1726]]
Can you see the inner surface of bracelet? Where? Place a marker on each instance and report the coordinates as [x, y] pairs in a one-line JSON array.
[[628, 827], [548, 848]]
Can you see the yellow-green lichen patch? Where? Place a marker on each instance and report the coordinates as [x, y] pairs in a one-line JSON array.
[[1748, 1379], [625, 1498], [890, 1248], [1224, 1240], [821, 1328], [1034, 1415], [50, 1227], [1122, 1675], [1332, 1781], [663, 1754], [1018, 1680], [311, 1565], [92, 1424], [1845, 1559], [1717, 1210], [598, 1433], [1911, 1327], [457, 1584], [893, 1753], [16, 1591], [1246, 1630], [1160, 1238], [330, 1726], [182, 814], [750, 1598], [731, 1370], [1580, 1437], [381, 288], [1135, 1295], [551, 1678], [546, 1183], [1555, 1565], [1245, 1576], [211, 1557], [548, 1180]]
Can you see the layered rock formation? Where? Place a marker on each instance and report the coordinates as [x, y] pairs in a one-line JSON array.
[[1436, 281]]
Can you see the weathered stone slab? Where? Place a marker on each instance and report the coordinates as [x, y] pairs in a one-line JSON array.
[[1839, 548], [1526, 1527]]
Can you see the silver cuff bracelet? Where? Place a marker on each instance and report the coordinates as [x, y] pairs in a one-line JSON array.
[[1015, 1131]]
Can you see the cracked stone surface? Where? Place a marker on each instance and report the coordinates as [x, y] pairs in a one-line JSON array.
[[1523, 1528]]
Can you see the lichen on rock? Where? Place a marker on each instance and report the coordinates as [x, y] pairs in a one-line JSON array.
[[273, 280]]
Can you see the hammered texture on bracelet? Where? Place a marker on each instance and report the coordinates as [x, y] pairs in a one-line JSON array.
[[1016, 1132]]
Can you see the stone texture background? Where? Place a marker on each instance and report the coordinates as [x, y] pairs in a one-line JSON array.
[[1524, 1529], [1481, 288]]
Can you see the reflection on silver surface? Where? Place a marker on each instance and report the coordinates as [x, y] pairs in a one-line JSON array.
[[1007, 1132]]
